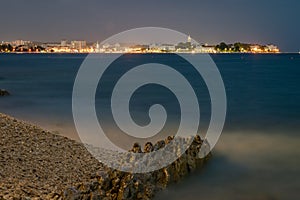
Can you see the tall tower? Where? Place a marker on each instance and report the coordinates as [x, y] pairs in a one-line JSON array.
[[63, 43], [189, 39], [97, 47]]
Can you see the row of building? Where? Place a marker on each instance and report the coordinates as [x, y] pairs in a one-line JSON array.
[[76, 46], [81, 46]]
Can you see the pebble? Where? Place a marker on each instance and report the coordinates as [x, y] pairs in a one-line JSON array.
[[36, 165]]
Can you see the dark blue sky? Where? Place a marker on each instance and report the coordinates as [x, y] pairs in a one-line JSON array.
[[209, 21]]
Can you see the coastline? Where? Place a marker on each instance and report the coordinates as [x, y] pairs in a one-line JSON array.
[[267, 53], [37, 164]]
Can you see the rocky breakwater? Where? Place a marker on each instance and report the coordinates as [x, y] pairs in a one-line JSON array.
[[4, 92], [37, 165], [117, 185]]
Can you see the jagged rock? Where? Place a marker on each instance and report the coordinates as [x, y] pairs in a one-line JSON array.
[[38, 164], [148, 147], [159, 145], [169, 139], [136, 148], [70, 194], [4, 92], [118, 185]]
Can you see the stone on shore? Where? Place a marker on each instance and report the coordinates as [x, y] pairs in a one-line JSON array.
[[117, 185], [4, 92], [36, 164]]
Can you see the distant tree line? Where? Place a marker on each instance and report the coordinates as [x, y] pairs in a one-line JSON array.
[[6, 48], [25, 48], [236, 47], [21, 48]]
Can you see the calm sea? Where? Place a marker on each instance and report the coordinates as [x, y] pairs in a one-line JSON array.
[[258, 154]]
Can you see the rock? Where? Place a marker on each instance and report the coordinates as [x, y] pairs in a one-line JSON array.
[[159, 145], [38, 164], [136, 148], [4, 92], [148, 147], [71, 194], [169, 139], [121, 185]]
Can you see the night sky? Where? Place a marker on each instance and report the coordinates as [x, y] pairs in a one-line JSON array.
[[207, 21]]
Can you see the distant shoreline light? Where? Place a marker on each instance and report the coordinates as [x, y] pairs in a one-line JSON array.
[[81, 46], [85, 53]]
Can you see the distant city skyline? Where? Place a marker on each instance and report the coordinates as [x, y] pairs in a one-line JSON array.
[[119, 44], [211, 22]]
